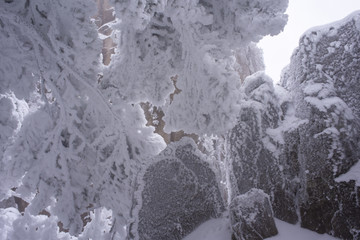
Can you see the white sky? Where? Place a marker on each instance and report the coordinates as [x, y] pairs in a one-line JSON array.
[[303, 14]]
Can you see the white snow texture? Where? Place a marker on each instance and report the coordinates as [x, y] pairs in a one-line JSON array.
[[72, 142]]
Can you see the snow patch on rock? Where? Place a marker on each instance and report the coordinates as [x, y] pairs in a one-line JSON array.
[[352, 174]]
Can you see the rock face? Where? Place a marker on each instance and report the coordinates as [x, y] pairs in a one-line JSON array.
[[323, 79], [294, 148], [254, 148], [252, 216], [180, 192]]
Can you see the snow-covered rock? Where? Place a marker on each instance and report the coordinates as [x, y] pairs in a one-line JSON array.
[[323, 79], [295, 141], [179, 192], [255, 147], [252, 216]]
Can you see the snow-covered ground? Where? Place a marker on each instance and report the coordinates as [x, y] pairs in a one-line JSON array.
[[214, 229], [219, 229], [288, 231]]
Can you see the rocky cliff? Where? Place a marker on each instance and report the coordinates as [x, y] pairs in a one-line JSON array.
[[294, 142], [255, 147], [179, 191]]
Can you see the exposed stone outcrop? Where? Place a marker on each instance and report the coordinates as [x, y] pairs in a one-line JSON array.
[[254, 148], [252, 216], [323, 79], [180, 191], [294, 148]]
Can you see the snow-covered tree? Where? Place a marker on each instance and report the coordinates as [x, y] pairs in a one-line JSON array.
[[195, 41], [72, 132]]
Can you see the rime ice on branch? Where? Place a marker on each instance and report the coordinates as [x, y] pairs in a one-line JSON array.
[[194, 40], [70, 144]]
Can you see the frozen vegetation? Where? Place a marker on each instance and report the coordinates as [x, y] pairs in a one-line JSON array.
[[149, 120]]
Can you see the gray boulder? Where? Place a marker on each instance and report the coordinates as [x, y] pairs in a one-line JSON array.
[[254, 153], [323, 79], [296, 148], [252, 216], [180, 191]]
